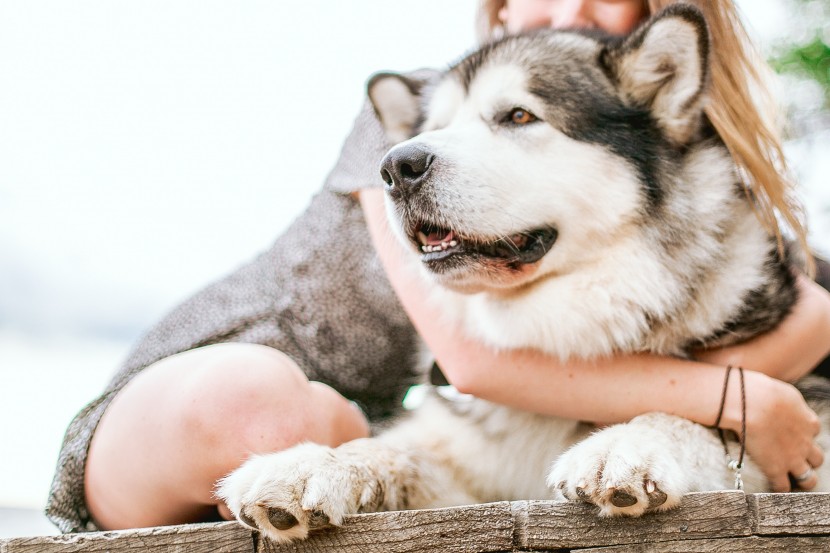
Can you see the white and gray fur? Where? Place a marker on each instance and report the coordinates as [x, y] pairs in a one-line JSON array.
[[616, 222]]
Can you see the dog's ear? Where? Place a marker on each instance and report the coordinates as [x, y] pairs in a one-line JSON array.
[[664, 66], [396, 100]]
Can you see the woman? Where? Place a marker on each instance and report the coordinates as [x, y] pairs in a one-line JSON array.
[[251, 364]]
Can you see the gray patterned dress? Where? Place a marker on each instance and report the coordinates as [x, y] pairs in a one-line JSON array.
[[319, 294]]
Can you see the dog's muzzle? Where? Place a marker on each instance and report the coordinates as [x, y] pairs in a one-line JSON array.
[[406, 169]]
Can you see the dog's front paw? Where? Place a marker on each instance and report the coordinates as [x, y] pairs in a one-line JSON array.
[[286, 495], [627, 469]]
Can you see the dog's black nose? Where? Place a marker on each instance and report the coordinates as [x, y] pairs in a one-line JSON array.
[[405, 169]]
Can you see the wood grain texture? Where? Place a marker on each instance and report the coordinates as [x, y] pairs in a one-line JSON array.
[[470, 529], [705, 522], [223, 537], [801, 513], [560, 525], [753, 544]]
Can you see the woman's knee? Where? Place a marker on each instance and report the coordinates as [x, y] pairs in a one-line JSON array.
[[245, 398], [189, 419]]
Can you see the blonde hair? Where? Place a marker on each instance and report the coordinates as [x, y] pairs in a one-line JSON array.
[[740, 108]]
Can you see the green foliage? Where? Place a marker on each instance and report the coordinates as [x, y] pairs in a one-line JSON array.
[[810, 61], [805, 54]]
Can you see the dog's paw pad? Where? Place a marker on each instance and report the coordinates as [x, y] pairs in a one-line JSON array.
[[616, 498], [281, 519], [622, 499], [288, 494], [619, 472]]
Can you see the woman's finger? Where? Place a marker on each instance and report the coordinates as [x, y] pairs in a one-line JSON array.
[[815, 457], [806, 478], [781, 484]]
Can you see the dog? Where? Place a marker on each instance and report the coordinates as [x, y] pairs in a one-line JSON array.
[[564, 192]]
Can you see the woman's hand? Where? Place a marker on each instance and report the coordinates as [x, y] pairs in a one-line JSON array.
[[780, 427], [780, 430], [793, 348]]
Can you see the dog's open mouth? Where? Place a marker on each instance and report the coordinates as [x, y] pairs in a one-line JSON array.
[[438, 243]]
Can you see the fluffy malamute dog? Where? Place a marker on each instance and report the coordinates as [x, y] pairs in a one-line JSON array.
[[564, 192]]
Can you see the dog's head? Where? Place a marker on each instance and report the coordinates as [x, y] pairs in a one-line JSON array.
[[530, 154]]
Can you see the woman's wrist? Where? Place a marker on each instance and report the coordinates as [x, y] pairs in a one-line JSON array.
[[758, 390], [764, 395]]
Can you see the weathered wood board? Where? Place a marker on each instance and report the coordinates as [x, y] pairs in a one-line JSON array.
[[560, 525], [222, 537], [704, 522], [751, 544]]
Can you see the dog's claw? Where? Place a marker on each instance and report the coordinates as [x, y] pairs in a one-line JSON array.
[[281, 519], [562, 488], [246, 518], [318, 520], [656, 496]]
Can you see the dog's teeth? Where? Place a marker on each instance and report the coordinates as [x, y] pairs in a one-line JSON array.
[[430, 248], [422, 237]]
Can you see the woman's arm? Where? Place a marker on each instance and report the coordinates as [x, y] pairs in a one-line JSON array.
[[780, 426]]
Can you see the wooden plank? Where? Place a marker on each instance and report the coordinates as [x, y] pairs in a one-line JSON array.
[[801, 522], [753, 544], [470, 529], [560, 525], [791, 513], [222, 537]]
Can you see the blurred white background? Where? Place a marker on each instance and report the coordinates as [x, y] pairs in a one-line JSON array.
[[147, 148]]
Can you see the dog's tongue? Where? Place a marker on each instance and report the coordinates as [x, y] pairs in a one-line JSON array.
[[435, 238]]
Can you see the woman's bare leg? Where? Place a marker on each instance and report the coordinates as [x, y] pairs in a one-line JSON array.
[[189, 419]]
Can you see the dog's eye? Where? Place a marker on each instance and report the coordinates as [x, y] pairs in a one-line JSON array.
[[519, 116]]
